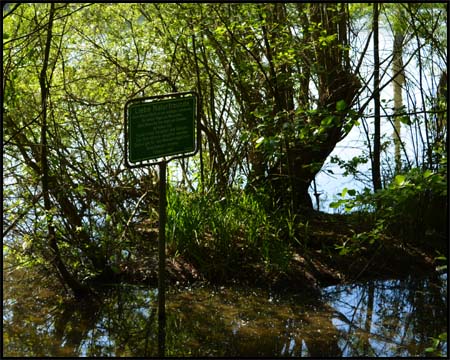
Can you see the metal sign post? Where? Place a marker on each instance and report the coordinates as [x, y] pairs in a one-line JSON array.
[[162, 260], [159, 129]]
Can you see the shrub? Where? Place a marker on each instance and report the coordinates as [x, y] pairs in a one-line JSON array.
[[413, 206]]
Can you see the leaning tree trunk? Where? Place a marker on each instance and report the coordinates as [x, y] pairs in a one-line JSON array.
[[279, 87]]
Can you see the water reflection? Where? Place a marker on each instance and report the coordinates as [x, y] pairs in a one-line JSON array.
[[390, 318], [243, 322], [378, 318]]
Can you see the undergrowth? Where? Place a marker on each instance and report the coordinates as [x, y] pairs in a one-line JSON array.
[[413, 208], [225, 232]]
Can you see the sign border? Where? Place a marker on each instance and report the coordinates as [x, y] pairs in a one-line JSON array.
[[159, 160], [163, 151]]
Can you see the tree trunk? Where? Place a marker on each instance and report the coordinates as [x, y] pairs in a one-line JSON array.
[[287, 168], [336, 83], [368, 322], [376, 173], [399, 80], [78, 288]]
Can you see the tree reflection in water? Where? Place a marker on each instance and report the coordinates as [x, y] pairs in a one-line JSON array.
[[390, 317], [378, 318]]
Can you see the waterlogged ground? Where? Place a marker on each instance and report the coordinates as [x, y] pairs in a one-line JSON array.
[[376, 318]]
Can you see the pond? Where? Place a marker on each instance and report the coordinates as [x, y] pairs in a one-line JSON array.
[[376, 318]]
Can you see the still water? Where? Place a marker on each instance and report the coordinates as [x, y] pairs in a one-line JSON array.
[[376, 318]]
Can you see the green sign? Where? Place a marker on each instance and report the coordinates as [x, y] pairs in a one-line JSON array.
[[161, 128]]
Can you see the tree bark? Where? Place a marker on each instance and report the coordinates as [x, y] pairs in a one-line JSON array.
[[398, 81]]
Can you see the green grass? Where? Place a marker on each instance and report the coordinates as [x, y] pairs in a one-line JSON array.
[[226, 230]]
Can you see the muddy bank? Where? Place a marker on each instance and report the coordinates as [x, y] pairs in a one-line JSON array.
[[335, 249]]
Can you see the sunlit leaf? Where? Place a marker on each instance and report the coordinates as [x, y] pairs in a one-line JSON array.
[[399, 180], [259, 141]]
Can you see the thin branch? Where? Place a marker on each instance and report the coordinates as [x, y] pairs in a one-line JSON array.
[[12, 10], [21, 215], [127, 225]]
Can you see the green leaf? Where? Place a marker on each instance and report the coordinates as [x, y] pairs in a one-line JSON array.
[[399, 180], [328, 121], [427, 173], [341, 105], [335, 204], [348, 207], [352, 192], [80, 190], [220, 30], [405, 120], [259, 142]]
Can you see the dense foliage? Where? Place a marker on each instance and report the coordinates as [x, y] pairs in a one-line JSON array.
[[279, 86]]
